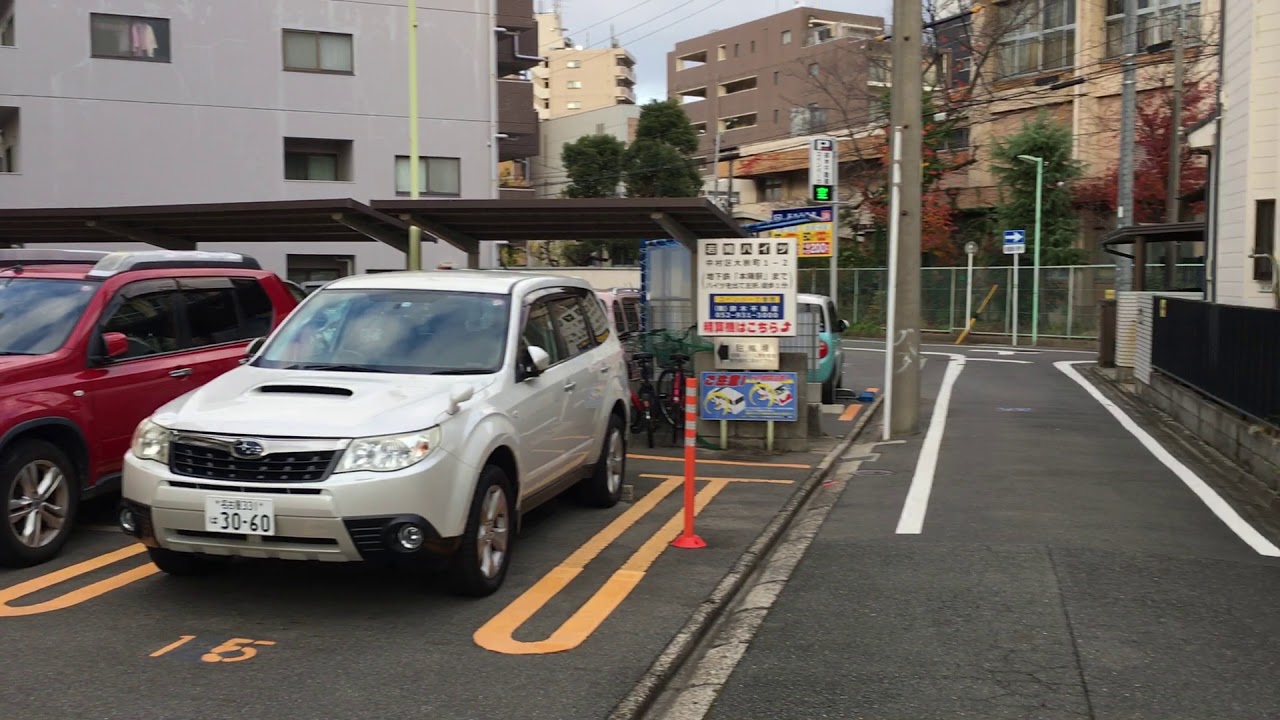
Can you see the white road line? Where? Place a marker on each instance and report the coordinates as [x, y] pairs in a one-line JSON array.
[[1039, 349], [970, 359], [911, 522], [1207, 495]]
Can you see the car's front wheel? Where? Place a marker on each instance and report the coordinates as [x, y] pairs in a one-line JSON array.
[[185, 564], [42, 492], [480, 564]]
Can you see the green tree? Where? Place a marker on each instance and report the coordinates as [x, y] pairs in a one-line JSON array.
[[594, 166], [658, 164], [1049, 139]]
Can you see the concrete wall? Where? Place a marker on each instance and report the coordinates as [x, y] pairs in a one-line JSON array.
[[1249, 143], [1255, 448], [547, 169], [209, 125]]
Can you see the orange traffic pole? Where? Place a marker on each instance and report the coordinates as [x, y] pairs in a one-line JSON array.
[[689, 539]]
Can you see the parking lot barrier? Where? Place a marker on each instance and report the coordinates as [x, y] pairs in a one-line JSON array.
[[689, 539]]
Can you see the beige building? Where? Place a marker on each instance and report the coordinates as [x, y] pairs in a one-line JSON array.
[[1242, 225], [573, 78]]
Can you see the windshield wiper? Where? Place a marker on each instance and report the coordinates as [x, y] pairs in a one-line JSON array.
[[461, 371], [335, 367]]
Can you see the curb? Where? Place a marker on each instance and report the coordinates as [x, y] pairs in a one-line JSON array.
[[641, 696]]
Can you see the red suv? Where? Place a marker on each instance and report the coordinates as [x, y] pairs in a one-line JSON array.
[[90, 344]]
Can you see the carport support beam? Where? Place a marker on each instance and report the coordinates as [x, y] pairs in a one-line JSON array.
[[689, 239], [143, 236], [395, 240], [460, 240]]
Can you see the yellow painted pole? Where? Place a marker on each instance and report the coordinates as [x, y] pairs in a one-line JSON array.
[[969, 325], [415, 233]]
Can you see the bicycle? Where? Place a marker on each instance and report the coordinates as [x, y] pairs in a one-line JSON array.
[[671, 404], [644, 397]]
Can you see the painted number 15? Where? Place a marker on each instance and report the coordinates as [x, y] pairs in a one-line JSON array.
[[233, 650]]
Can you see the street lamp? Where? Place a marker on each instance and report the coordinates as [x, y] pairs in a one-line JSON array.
[[1035, 277]]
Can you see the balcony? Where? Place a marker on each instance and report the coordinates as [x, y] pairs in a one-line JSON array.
[[624, 95], [517, 119], [517, 15], [512, 47], [625, 73]]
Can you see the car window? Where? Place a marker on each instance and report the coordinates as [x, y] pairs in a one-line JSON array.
[[832, 316], [597, 317], [540, 332], [37, 314], [812, 315], [146, 313], [421, 332], [296, 290], [211, 311], [630, 311], [571, 325], [256, 311]]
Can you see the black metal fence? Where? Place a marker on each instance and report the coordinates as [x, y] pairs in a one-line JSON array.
[[1227, 352]]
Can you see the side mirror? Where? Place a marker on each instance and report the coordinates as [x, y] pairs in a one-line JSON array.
[[115, 345], [541, 360], [844, 324], [460, 394], [254, 346]]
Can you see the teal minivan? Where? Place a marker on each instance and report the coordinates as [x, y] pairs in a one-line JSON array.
[[829, 368]]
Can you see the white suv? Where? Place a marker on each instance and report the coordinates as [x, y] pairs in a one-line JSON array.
[[411, 415]]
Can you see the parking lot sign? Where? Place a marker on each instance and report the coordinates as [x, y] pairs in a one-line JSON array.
[[812, 239], [822, 169], [747, 287]]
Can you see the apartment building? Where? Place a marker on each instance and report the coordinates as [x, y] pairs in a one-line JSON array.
[[144, 102], [763, 79], [573, 78], [1246, 188]]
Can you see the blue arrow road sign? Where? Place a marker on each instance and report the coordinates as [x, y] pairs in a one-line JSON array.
[[1015, 237]]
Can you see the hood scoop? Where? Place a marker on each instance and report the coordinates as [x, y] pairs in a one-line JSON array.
[[306, 390]]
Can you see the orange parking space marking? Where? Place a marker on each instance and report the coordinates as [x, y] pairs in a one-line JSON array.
[[496, 635], [763, 481], [850, 413], [75, 597], [739, 463]]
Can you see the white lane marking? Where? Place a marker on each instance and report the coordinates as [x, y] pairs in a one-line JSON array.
[[1207, 495], [911, 522], [982, 347], [970, 359]]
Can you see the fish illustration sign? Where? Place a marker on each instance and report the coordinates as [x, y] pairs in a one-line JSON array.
[[749, 396]]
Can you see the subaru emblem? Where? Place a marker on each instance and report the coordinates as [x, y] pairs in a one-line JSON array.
[[247, 449]]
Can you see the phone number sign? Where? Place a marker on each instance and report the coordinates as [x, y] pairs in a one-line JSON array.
[[747, 287]]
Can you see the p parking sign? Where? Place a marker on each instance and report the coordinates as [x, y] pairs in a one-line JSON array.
[[822, 169]]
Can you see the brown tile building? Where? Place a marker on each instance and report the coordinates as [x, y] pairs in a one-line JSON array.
[[749, 81]]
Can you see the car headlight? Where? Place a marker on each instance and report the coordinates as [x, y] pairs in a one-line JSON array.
[[389, 452], [150, 442]]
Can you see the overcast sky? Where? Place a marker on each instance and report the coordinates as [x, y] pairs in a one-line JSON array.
[[651, 28]]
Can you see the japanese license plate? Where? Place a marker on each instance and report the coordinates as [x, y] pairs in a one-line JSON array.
[[246, 516]]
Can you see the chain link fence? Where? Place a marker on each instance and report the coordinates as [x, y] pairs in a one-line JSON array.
[[1069, 297]]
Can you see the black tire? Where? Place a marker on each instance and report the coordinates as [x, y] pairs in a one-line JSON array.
[[648, 406], [66, 496], [466, 576], [604, 488], [829, 390], [671, 408], [184, 564]]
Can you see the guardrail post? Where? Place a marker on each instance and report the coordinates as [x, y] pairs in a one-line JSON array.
[[688, 539]]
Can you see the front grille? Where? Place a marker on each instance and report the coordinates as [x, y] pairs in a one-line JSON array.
[[246, 488], [204, 534], [366, 534], [199, 461]]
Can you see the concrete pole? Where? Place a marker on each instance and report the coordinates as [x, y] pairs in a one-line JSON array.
[[905, 117], [1035, 275], [1175, 151], [415, 232], [1128, 116]]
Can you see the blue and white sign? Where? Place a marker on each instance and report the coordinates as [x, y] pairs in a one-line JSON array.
[[1015, 242], [747, 287], [748, 396]]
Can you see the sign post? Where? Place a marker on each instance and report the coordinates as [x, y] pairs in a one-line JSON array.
[[1015, 244], [970, 249], [824, 180]]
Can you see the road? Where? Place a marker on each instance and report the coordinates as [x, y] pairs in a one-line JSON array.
[[1054, 568]]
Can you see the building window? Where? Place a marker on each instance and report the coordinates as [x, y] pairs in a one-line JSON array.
[[879, 71], [775, 116], [1264, 239], [737, 122], [722, 52], [6, 23], [317, 159], [1043, 36], [326, 52], [738, 86], [574, 84], [820, 34], [814, 70], [318, 268], [775, 77], [574, 105], [753, 46], [8, 139], [736, 48], [786, 37], [436, 175], [771, 189], [1157, 22], [573, 64], [128, 37]]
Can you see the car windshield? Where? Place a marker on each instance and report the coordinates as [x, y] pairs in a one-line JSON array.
[[426, 332], [37, 314]]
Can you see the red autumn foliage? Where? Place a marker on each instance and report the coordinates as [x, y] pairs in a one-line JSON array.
[[1151, 165], [936, 212]]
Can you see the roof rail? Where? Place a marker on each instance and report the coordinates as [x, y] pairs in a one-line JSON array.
[[118, 262], [12, 257]]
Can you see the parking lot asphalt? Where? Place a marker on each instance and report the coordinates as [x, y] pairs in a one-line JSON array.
[[592, 597]]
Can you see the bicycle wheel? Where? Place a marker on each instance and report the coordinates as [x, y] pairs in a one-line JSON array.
[[672, 402], [648, 399]]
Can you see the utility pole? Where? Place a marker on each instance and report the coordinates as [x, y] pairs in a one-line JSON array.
[[1125, 268], [902, 338], [1175, 150], [415, 232], [715, 172]]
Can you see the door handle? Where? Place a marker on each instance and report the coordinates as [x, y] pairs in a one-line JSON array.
[[604, 370], [181, 372], [570, 386]]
